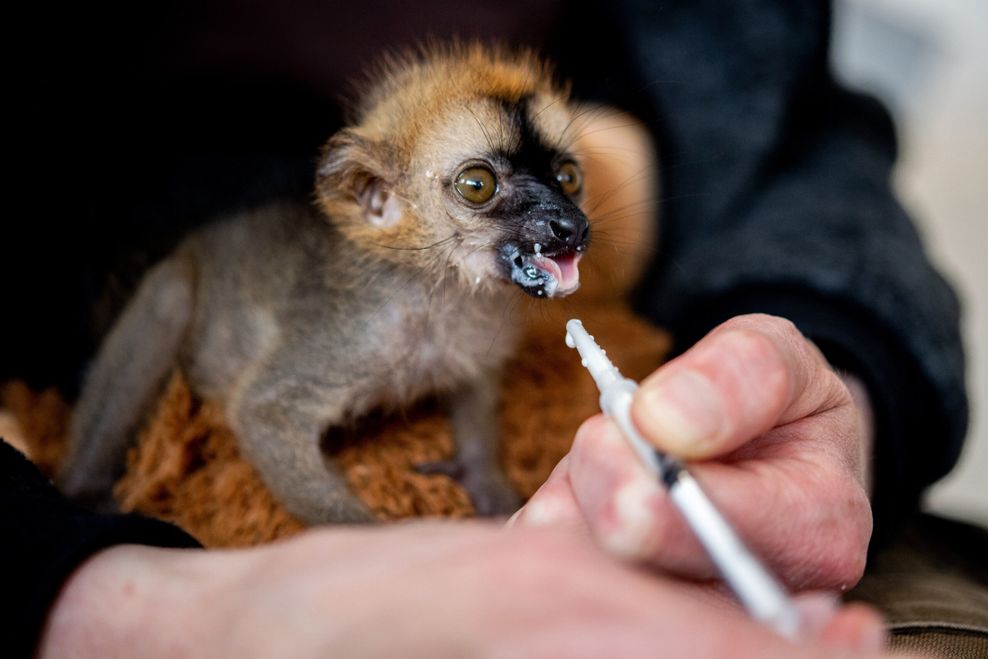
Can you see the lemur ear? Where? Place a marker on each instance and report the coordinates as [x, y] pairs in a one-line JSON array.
[[357, 170]]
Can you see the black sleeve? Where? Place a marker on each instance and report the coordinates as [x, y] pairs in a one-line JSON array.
[[776, 198], [45, 538]]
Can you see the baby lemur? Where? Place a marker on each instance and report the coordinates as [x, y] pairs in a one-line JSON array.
[[453, 186]]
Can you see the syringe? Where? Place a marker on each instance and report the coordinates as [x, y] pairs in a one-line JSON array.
[[759, 592]]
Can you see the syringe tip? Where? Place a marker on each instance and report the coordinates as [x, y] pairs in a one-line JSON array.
[[572, 326], [592, 356]]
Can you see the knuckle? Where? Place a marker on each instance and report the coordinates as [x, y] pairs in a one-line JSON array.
[[754, 355], [849, 559], [590, 433], [838, 388], [763, 323], [846, 432], [635, 522], [599, 448], [844, 531], [782, 340], [845, 567]]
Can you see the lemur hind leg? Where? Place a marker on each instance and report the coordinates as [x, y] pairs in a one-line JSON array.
[[124, 381]]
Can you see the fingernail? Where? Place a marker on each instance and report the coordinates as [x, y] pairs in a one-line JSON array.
[[683, 411], [816, 610], [543, 512], [633, 535], [872, 639]]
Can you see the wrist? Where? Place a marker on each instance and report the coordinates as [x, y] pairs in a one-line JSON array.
[[129, 597]]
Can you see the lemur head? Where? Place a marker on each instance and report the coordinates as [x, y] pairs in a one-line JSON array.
[[458, 158]]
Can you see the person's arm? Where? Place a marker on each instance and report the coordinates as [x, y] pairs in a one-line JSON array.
[[75, 585], [427, 589], [45, 539], [776, 199]]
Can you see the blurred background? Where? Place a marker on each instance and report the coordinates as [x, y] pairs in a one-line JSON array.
[[928, 61]]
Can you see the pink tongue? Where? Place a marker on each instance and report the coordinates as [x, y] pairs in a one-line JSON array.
[[569, 272]]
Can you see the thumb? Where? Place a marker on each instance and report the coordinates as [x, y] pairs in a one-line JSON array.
[[747, 376]]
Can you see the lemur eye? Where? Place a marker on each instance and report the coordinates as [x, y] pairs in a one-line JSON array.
[[476, 184], [570, 178]]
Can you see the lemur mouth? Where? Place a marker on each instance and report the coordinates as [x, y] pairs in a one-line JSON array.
[[543, 274]]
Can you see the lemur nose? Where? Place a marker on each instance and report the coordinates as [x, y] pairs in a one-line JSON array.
[[572, 232]]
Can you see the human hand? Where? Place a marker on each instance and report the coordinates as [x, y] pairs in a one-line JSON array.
[[773, 436], [412, 590]]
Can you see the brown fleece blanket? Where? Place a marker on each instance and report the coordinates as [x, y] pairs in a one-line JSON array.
[[186, 467]]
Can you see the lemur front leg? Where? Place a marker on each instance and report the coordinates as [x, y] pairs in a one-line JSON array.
[[477, 464], [279, 421]]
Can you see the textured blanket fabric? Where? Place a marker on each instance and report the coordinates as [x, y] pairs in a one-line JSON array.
[[186, 468]]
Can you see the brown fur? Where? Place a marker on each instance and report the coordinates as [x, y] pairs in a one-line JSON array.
[[186, 466], [409, 132], [296, 320]]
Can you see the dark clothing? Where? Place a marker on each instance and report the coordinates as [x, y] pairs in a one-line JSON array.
[[777, 199], [45, 538], [775, 192]]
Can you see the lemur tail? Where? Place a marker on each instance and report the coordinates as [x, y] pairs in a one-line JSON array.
[[125, 379]]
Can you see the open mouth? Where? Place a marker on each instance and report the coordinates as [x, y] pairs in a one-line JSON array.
[[541, 274]]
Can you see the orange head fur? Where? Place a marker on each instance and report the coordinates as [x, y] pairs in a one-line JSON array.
[[459, 157]]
